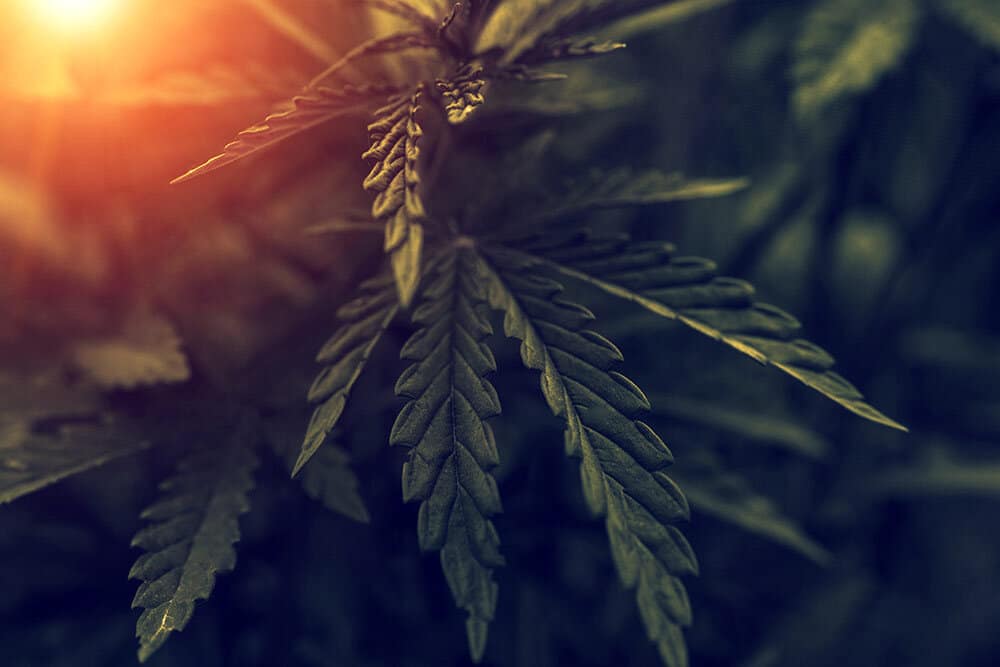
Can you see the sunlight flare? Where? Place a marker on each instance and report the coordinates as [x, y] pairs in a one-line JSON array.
[[74, 14]]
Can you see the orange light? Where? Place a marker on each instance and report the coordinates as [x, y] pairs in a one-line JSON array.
[[74, 15]]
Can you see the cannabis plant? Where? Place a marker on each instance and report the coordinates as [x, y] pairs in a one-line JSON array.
[[467, 239]]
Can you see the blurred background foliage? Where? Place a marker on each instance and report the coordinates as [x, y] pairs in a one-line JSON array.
[[870, 132]]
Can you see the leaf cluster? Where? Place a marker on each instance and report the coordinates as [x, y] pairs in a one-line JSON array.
[[519, 256]]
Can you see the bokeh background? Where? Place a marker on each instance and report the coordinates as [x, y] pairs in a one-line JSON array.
[[873, 214]]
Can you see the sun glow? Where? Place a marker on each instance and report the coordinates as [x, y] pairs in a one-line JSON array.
[[74, 14]]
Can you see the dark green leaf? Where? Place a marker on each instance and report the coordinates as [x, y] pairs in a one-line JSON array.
[[742, 424], [363, 322], [520, 27], [50, 430], [314, 107], [729, 496], [395, 137], [195, 524], [624, 188], [687, 289], [621, 458], [30, 462], [329, 479], [453, 445]]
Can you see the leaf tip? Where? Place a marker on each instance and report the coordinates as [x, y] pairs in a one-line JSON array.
[[300, 463], [477, 632], [189, 174], [146, 650], [211, 164], [892, 423]]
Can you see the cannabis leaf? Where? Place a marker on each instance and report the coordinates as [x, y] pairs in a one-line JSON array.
[[729, 496], [394, 43], [847, 46], [454, 267], [658, 17], [50, 431], [395, 137], [463, 93], [687, 289], [364, 321], [621, 459], [937, 472], [522, 28], [453, 447], [310, 109], [329, 479], [146, 351], [196, 523], [32, 461], [577, 47], [403, 10], [620, 188], [40, 394], [741, 424]]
